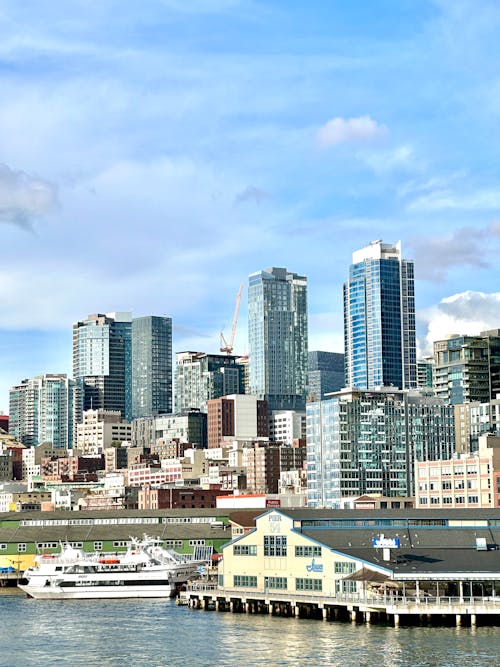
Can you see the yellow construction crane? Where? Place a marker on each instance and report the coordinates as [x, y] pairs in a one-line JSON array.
[[226, 346]]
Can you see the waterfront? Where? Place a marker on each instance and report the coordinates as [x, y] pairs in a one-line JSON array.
[[157, 633]]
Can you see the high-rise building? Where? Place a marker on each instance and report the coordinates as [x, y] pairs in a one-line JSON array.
[[42, 410], [102, 363], [200, 377], [467, 368], [325, 374], [151, 366], [277, 336], [379, 319], [363, 441]]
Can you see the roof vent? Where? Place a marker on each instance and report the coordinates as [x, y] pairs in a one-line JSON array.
[[481, 544]]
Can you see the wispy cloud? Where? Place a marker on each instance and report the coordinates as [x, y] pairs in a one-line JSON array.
[[351, 130], [251, 194], [23, 197]]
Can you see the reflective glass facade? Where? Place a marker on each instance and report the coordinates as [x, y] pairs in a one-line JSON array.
[[151, 366], [368, 441], [379, 319], [277, 333]]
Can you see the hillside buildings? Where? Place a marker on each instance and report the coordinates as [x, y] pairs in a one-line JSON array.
[[379, 319], [277, 338], [236, 417], [99, 429], [326, 374]]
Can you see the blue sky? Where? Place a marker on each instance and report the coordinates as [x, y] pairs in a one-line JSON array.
[[154, 154]]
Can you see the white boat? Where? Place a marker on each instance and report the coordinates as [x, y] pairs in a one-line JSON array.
[[145, 570]]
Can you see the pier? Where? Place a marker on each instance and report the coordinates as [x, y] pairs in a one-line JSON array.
[[407, 610]]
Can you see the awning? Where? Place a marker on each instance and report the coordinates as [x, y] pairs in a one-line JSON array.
[[367, 575]]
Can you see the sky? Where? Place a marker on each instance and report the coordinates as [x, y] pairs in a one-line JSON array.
[[153, 154]]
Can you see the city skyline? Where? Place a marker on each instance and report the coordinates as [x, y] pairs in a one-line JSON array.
[[152, 158]]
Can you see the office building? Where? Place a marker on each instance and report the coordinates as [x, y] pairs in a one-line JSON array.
[[102, 351], [277, 332], [287, 426], [379, 319], [326, 374], [364, 442], [151, 366], [100, 429], [41, 409], [467, 368], [237, 417], [200, 377]]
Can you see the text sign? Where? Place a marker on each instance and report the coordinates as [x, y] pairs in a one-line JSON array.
[[385, 542]]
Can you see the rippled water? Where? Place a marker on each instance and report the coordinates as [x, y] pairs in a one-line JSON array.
[[157, 633]]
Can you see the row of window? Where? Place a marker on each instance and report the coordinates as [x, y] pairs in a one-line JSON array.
[[275, 545], [280, 546], [448, 500], [116, 521], [277, 583]]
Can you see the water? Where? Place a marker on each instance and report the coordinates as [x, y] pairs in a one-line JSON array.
[[154, 633]]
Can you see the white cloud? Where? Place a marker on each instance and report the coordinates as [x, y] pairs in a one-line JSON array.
[[448, 199], [401, 157], [467, 313], [353, 130], [24, 197]]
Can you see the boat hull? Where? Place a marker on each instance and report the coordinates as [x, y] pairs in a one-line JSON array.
[[97, 592]]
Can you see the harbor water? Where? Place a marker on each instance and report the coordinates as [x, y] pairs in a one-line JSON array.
[[119, 633]]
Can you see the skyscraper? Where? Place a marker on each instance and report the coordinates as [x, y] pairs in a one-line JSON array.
[[277, 335], [379, 319], [325, 373], [102, 349], [151, 366], [42, 410]]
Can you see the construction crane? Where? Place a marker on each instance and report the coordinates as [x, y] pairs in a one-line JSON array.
[[226, 346]]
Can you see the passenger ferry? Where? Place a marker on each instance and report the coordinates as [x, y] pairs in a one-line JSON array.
[[145, 570]]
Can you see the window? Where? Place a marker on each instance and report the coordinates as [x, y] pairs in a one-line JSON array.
[[345, 587], [303, 584], [97, 546], [344, 568], [120, 543], [473, 499], [274, 545], [196, 543], [3, 546], [46, 545], [245, 580], [307, 552], [220, 579], [21, 548], [279, 583], [77, 545], [245, 550]]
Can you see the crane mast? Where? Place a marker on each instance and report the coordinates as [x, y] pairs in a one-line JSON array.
[[227, 346]]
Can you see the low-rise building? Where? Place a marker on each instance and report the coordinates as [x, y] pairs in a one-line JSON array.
[[99, 429]]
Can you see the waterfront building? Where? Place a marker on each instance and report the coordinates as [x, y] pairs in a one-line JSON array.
[[200, 377], [99, 429], [277, 337], [467, 368], [326, 374], [287, 426], [361, 442], [102, 363], [151, 366], [472, 480], [42, 410], [358, 563], [379, 319], [236, 417]]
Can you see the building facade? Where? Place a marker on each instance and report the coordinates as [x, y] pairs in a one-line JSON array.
[[236, 417], [287, 426], [99, 429], [42, 409], [467, 368], [200, 377], [472, 480], [277, 336], [151, 366], [363, 442], [326, 374], [102, 355], [379, 319]]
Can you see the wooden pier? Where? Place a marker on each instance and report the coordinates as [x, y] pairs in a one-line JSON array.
[[407, 610]]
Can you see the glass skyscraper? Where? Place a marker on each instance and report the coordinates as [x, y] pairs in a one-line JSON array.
[[277, 332], [379, 319], [151, 366], [102, 363]]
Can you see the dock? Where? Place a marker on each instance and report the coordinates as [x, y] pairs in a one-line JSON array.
[[387, 609]]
